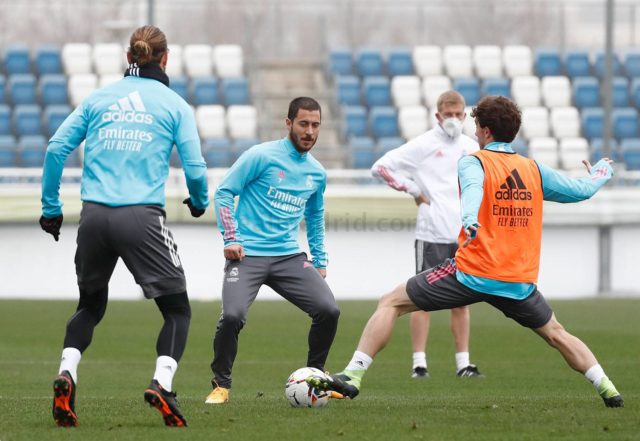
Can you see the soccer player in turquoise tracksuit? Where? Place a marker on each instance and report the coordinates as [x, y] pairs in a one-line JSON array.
[[278, 183], [129, 129]]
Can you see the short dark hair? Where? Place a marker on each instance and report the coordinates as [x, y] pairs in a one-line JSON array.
[[501, 115], [302, 102]]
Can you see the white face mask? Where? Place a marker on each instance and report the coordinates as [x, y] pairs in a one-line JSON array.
[[452, 127]]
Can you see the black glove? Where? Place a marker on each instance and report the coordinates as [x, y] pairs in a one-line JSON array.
[[195, 212], [51, 225]]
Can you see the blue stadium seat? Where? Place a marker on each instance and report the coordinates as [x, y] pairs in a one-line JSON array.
[[217, 152], [469, 88], [53, 89], [597, 147], [204, 90], [399, 61], [630, 150], [27, 120], [620, 95], [592, 119], [8, 150], [361, 149], [388, 143], [369, 62], [519, 145], [5, 120], [635, 93], [16, 60], [577, 63], [496, 86], [376, 91], [55, 115], [180, 85], [355, 120], [625, 123], [31, 150], [341, 62], [241, 145], [48, 60], [3, 85], [586, 92], [383, 121], [22, 89], [547, 62], [632, 63], [599, 64], [348, 90], [235, 91]]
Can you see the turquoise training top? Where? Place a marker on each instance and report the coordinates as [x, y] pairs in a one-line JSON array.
[[129, 129], [277, 186]]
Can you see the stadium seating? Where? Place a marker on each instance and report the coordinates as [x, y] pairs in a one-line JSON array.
[[211, 121], [556, 91], [547, 62], [22, 89], [620, 94], [53, 89], [383, 121], [592, 122], [217, 152], [8, 151], [399, 62], [413, 121], [632, 63], [31, 150], [469, 88], [525, 90], [48, 60], [586, 92], [625, 123], [198, 60], [427, 60], [5, 120], [204, 90], [433, 87], [386, 144], [174, 62], [76, 58], [180, 85], [597, 150], [635, 93], [340, 62], [457, 61], [488, 61], [228, 60], [80, 86], [27, 120], [517, 61], [16, 60], [242, 122], [362, 152], [54, 115], [630, 151], [535, 122], [376, 91], [545, 150], [577, 64], [565, 122], [369, 62], [235, 91], [405, 90], [496, 86], [348, 90], [3, 85], [599, 64], [572, 152], [354, 119], [108, 58]]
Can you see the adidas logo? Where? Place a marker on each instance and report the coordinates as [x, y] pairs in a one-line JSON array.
[[128, 109], [513, 189]]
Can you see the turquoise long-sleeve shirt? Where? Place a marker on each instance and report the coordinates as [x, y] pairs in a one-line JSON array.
[[277, 186], [129, 129], [555, 186]]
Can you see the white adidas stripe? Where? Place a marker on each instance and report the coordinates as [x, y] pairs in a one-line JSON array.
[[129, 103]]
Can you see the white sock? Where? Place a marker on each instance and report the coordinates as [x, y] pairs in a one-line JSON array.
[[359, 361], [69, 362], [166, 368], [462, 360], [595, 374], [419, 360]]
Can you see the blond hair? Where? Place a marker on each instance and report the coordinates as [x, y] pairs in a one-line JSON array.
[[147, 44], [448, 98]]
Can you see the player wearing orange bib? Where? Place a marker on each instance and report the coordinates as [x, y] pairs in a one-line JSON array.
[[499, 251]]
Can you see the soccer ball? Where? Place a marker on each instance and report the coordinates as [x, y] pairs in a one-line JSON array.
[[300, 394]]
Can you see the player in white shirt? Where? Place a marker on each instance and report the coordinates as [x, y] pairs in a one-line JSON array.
[[426, 167]]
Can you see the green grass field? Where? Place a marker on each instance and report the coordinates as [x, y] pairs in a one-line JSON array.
[[529, 392]]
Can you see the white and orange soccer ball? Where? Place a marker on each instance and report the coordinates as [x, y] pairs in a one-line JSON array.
[[300, 394]]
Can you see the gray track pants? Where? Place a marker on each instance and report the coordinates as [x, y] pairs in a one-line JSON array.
[[295, 279]]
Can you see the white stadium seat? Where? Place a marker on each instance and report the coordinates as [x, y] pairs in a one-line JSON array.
[[427, 60], [565, 122], [517, 60], [457, 61], [108, 58], [198, 60], [556, 91], [405, 90], [228, 60], [535, 122], [433, 87], [572, 152], [413, 121], [80, 86], [174, 61], [242, 121], [76, 58], [544, 150], [525, 91], [211, 121], [488, 61], [107, 79]]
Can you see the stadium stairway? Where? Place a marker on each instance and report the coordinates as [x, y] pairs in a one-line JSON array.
[[276, 83]]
